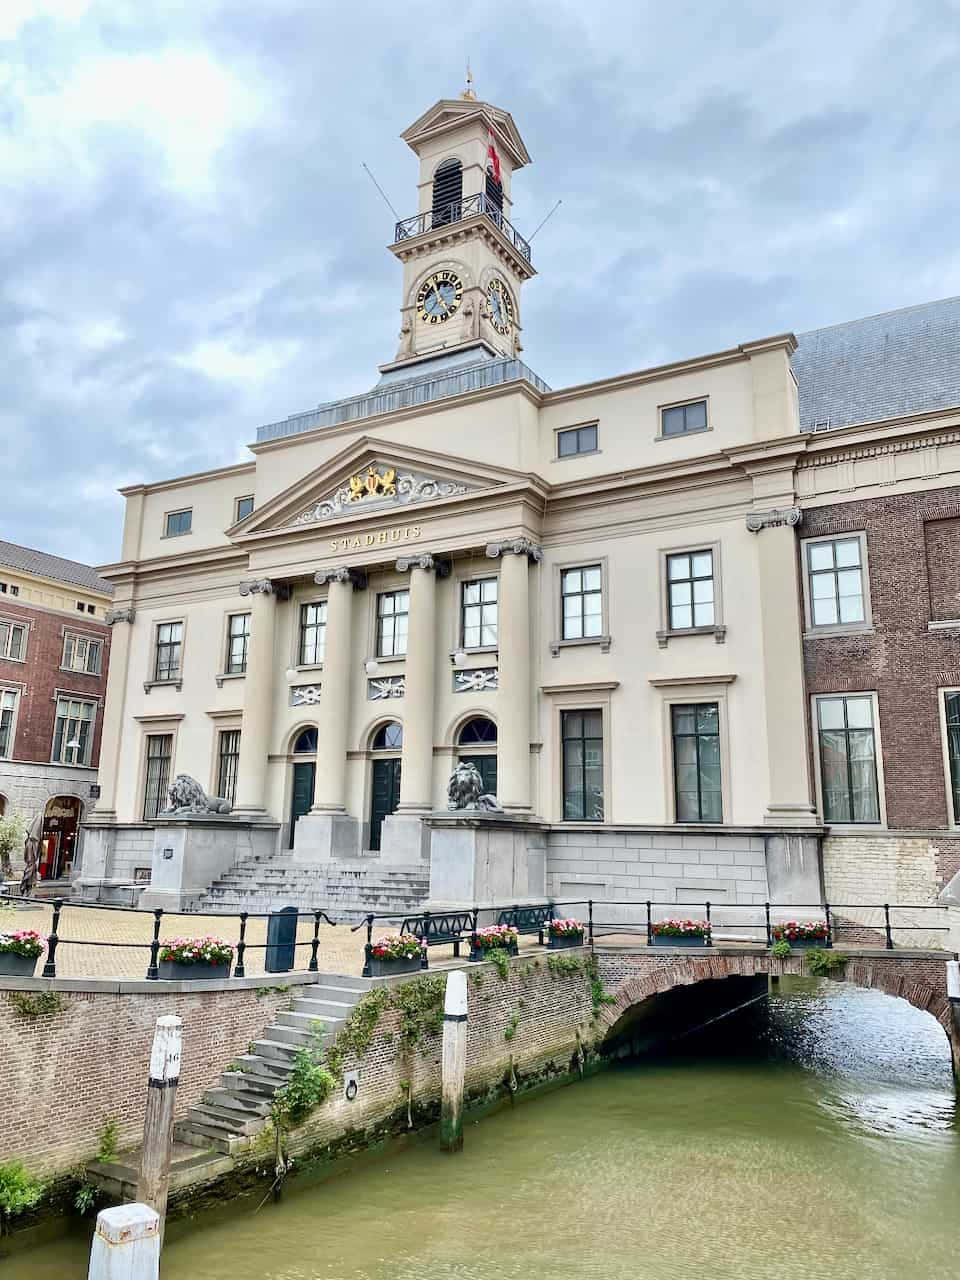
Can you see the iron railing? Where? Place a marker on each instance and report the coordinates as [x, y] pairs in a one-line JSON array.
[[458, 211]]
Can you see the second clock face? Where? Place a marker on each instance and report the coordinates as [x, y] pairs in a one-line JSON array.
[[501, 306], [439, 297]]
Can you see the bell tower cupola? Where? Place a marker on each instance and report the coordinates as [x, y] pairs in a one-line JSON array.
[[464, 261]]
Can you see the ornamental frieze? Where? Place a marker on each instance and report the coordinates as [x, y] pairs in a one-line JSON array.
[[386, 687], [379, 486], [478, 680]]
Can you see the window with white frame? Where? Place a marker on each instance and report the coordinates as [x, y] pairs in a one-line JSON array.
[[9, 698], [178, 522], [691, 590], [238, 642], [313, 633], [73, 731], [698, 790], [835, 583], [82, 653], [847, 743], [393, 609], [581, 734], [13, 640], [228, 760], [157, 773], [169, 651], [581, 602], [478, 613], [243, 507]]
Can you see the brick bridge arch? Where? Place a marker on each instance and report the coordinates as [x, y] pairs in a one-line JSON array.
[[920, 980]]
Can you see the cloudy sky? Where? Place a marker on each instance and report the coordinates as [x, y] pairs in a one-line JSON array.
[[189, 246]]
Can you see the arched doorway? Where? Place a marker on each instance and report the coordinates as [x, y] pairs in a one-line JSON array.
[[58, 838], [385, 747], [477, 745], [304, 776]]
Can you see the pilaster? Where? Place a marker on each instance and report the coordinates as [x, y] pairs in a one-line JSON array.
[[514, 676], [257, 722]]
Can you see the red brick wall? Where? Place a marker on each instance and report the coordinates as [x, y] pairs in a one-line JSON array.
[[902, 660], [42, 676]]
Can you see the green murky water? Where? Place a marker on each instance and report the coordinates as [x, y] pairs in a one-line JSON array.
[[821, 1141]]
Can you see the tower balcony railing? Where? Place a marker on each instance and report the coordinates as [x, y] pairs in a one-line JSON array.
[[459, 211]]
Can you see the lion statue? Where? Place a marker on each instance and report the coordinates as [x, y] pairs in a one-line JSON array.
[[187, 797], [465, 789]]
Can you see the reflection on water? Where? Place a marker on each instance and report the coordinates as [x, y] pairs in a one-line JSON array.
[[818, 1140]]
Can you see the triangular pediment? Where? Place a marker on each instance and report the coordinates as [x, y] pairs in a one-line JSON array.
[[451, 113], [372, 477]]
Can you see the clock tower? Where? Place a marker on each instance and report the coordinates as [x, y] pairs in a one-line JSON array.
[[463, 260]]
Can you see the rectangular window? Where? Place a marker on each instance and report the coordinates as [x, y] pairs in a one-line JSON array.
[[178, 522], [690, 590], [581, 602], [91, 608], [227, 760], [848, 759], [13, 640], [952, 711], [8, 719], [238, 641], [313, 633], [696, 761], [244, 506], [73, 731], [81, 653], [80, 606], [392, 610], [159, 751], [835, 582], [169, 651], [576, 440], [683, 419], [478, 613], [582, 735]]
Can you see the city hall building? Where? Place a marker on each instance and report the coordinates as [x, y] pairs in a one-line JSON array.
[[647, 608]]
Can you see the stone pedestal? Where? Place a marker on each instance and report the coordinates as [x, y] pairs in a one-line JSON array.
[[404, 838], [190, 853], [321, 837], [486, 859]]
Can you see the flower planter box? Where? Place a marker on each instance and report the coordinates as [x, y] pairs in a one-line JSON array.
[[173, 971], [559, 944], [664, 940], [483, 953], [388, 966], [806, 944], [14, 966]]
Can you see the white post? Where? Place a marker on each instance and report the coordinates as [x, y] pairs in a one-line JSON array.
[[158, 1120], [454, 1061], [126, 1245]]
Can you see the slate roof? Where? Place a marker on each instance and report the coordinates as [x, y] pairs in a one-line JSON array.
[[883, 366], [27, 560]]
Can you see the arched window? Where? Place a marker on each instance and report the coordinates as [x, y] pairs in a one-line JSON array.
[[478, 732], [494, 198], [306, 743], [389, 737], [447, 192]]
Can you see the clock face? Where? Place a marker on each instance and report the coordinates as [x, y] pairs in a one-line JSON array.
[[439, 297], [501, 306]]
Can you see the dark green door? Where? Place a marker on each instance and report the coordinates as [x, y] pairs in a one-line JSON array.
[[487, 768], [386, 796], [303, 780]]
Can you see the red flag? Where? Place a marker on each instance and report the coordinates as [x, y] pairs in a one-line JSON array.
[[492, 156]]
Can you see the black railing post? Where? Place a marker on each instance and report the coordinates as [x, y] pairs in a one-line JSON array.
[[238, 969], [709, 927], [886, 925], [424, 944], [649, 922], [590, 919], [766, 916], [827, 917], [314, 943], [153, 970], [367, 971], [474, 926], [50, 964]]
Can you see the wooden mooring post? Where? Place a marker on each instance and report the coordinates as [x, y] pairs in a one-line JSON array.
[[154, 1179], [454, 1061], [126, 1244]]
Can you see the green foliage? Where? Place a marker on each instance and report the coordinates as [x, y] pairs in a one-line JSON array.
[[30, 1005], [823, 963], [85, 1195], [263, 992], [510, 1030], [500, 960], [109, 1140], [599, 996], [420, 1005], [19, 1190], [476, 977], [562, 965], [13, 830], [781, 949], [357, 1032], [310, 1083]]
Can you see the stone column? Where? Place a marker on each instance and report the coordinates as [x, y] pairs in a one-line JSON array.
[[257, 720], [514, 677], [404, 837], [327, 830]]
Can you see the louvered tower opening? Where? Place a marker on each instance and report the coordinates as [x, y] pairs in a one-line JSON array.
[[494, 200], [447, 193]]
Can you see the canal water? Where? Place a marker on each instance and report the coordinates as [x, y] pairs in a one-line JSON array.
[[816, 1139]]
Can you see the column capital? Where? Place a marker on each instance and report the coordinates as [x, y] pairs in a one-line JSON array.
[[518, 546], [437, 564], [777, 516], [120, 615], [265, 587], [341, 574]]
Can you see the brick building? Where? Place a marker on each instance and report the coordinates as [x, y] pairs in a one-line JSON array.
[[54, 654]]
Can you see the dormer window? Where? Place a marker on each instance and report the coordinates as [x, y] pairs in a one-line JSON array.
[[447, 192]]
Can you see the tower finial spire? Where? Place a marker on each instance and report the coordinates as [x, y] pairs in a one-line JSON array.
[[468, 92]]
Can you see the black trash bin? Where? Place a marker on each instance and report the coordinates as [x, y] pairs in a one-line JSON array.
[[281, 940]]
